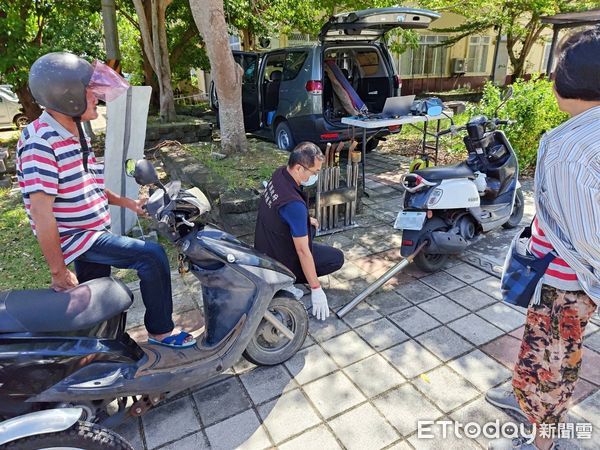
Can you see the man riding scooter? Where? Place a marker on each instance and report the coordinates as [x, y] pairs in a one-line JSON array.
[[63, 190]]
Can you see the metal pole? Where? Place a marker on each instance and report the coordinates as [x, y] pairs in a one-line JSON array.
[[270, 317], [556, 30], [347, 218], [496, 50], [331, 183], [111, 35], [325, 213], [364, 159], [318, 198], [379, 282]]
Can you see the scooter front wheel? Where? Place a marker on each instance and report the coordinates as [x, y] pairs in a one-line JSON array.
[[268, 346], [82, 435], [517, 213]]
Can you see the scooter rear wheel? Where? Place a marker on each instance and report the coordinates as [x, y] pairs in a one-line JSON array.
[[430, 262], [268, 346], [82, 435]]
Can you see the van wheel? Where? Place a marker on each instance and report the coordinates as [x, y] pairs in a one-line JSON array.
[[213, 99], [21, 121], [283, 137], [371, 145]]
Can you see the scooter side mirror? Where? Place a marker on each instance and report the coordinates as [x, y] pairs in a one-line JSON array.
[[142, 170]]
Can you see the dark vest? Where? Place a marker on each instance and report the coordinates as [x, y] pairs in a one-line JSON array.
[[272, 235]]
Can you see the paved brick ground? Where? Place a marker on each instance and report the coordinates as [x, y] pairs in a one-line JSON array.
[[426, 346]]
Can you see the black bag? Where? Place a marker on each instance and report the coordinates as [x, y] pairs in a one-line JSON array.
[[522, 270]]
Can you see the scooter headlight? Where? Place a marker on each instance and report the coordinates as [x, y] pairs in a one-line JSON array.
[[434, 197]]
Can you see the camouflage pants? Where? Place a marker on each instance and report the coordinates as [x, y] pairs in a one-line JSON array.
[[550, 357]]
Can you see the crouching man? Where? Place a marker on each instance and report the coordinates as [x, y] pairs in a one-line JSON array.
[[285, 231]]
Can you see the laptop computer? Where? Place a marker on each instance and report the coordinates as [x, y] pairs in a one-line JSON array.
[[396, 107]]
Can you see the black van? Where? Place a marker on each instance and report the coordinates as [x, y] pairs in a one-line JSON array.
[[289, 97]]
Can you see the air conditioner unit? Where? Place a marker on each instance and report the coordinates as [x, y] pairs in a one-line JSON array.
[[458, 66]]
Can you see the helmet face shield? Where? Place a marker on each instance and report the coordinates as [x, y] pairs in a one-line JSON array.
[[105, 83]]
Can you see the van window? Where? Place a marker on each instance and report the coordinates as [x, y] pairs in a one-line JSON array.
[[274, 63], [368, 60], [294, 61], [249, 64]]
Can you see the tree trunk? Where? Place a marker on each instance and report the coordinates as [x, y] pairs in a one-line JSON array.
[[248, 39], [30, 108], [161, 55], [150, 80], [154, 36], [227, 75]]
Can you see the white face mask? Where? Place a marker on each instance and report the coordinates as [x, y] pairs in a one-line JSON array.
[[311, 180]]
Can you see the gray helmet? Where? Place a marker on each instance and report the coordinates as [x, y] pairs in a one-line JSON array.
[[58, 81]]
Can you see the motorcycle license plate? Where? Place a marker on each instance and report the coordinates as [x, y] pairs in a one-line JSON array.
[[410, 220]]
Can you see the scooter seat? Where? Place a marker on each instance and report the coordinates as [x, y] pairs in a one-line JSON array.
[[44, 310], [439, 173]]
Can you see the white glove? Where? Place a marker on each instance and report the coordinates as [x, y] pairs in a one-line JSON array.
[[320, 308]]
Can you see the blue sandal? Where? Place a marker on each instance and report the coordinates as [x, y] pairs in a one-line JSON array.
[[175, 340]]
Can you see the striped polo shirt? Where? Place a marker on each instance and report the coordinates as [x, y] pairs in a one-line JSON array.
[[558, 274], [49, 160], [567, 195]]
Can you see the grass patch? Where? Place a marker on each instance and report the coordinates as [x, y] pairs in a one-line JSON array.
[[22, 265], [408, 142], [154, 121], [9, 139], [241, 170]]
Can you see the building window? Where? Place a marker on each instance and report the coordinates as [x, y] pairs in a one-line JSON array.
[[426, 59], [235, 43], [299, 39], [477, 57]]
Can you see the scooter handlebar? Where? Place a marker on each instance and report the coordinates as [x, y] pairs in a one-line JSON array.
[[452, 130], [502, 122]]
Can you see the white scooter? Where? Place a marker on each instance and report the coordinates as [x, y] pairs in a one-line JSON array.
[[451, 207]]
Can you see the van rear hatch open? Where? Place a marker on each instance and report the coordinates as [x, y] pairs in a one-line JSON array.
[[371, 24]]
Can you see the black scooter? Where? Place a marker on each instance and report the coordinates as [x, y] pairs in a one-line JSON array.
[[451, 207], [65, 356]]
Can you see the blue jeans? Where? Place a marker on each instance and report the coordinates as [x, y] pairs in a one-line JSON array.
[[152, 265]]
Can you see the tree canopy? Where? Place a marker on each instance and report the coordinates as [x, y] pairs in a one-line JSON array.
[[519, 20], [31, 28]]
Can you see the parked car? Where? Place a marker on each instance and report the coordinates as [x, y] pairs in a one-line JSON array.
[[11, 112], [288, 97]]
